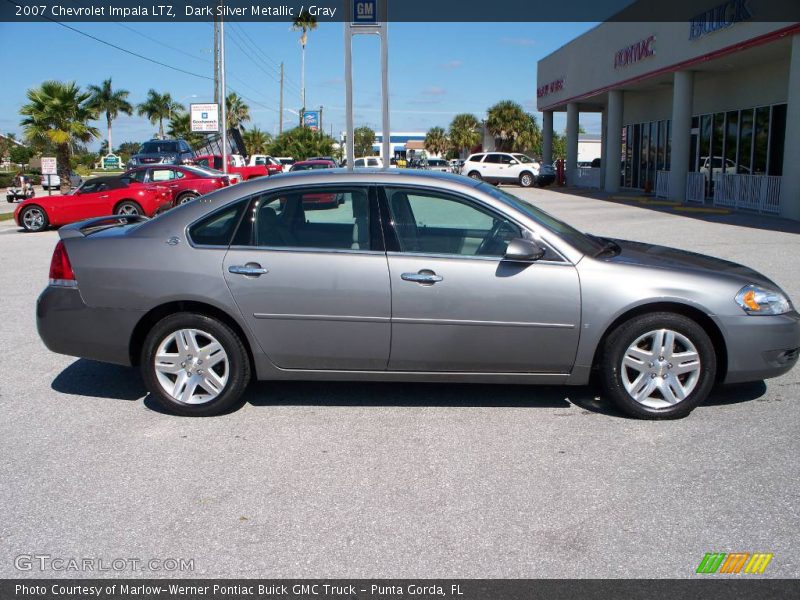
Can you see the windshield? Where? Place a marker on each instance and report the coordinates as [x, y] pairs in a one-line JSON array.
[[158, 147], [522, 158], [577, 239]]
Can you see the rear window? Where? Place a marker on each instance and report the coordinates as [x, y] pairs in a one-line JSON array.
[[217, 228]]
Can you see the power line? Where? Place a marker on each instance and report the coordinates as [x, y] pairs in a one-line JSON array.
[[157, 41], [235, 39], [260, 50]]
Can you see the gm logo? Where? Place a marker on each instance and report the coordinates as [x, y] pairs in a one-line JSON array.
[[365, 11], [735, 562]]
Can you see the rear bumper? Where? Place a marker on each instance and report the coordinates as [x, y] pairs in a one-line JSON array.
[[760, 347], [545, 179], [67, 326]]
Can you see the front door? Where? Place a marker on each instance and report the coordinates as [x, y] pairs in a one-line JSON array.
[[458, 306], [309, 274]]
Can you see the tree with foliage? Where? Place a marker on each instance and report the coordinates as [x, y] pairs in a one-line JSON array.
[[256, 141], [238, 111], [436, 141], [127, 149], [158, 107], [464, 132], [111, 102], [19, 155], [530, 136], [301, 143], [58, 113], [304, 22], [559, 146], [180, 127], [363, 140], [511, 126]]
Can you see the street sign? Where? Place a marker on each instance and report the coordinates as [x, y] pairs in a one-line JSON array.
[[204, 118], [311, 120], [365, 12], [111, 161], [49, 165]]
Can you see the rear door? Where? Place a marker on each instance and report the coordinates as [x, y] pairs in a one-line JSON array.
[[311, 278], [490, 167], [458, 306]]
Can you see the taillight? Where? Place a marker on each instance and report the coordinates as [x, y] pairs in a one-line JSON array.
[[60, 267]]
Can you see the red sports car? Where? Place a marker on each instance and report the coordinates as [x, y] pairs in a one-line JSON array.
[[97, 197], [185, 182]]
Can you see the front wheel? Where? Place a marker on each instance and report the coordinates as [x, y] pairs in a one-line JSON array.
[[526, 179], [658, 366], [34, 218], [195, 365], [129, 207]]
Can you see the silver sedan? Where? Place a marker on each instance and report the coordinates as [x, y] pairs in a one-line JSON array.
[[403, 276]]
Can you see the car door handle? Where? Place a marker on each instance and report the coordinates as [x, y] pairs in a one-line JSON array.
[[424, 277], [250, 269], [105, 196]]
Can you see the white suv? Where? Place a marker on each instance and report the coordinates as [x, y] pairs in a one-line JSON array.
[[502, 167]]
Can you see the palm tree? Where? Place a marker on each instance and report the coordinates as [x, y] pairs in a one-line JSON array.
[[58, 113], [506, 120], [158, 107], [180, 127], [530, 136], [105, 100], [238, 111], [436, 141], [256, 141], [304, 22], [464, 132]]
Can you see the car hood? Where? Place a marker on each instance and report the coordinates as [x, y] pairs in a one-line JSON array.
[[654, 256], [148, 156]]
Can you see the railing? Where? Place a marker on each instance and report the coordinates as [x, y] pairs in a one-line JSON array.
[[662, 184], [695, 187], [587, 177], [761, 193]]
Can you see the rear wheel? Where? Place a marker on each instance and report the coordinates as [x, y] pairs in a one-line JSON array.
[[195, 365], [128, 207], [184, 198], [34, 218], [475, 175], [658, 366]]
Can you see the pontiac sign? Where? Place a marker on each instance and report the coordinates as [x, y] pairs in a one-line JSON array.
[[635, 52]]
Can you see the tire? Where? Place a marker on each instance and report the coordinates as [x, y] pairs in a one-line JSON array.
[[656, 376], [34, 218], [475, 175], [128, 207], [526, 179], [184, 198], [202, 394]]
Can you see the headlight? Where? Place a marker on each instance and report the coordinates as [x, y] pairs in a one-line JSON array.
[[755, 300]]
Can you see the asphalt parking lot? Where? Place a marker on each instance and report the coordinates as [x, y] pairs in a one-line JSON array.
[[397, 480]]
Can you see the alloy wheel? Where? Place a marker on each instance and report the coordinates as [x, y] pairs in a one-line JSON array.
[[660, 368], [191, 366], [33, 219], [128, 209]]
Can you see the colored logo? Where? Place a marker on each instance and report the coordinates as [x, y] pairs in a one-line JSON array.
[[734, 562]]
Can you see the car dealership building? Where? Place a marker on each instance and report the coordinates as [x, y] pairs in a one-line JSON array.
[[705, 111]]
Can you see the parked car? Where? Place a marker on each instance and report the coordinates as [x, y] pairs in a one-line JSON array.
[[368, 161], [94, 198], [546, 176], [311, 164], [328, 158], [185, 182], [53, 182], [273, 165], [286, 161], [455, 165], [413, 276], [439, 164], [236, 165], [166, 152], [502, 167]]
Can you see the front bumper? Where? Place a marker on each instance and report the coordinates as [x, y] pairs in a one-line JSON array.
[[545, 179], [67, 326], [760, 347]]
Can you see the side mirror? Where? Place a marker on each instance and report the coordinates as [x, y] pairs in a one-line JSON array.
[[513, 162], [521, 250]]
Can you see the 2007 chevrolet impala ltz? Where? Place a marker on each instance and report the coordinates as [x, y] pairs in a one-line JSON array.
[[403, 276]]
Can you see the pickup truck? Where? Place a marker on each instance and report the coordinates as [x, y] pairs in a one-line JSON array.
[[236, 166], [273, 166]]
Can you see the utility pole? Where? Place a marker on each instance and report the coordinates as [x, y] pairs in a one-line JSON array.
[[280, 114], [222, 94], [216, 60], [320, 129]]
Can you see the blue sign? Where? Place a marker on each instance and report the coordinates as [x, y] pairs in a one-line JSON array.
[[311, 120], [365, 12]]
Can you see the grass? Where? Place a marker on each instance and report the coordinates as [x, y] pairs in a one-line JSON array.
[[6, 216]]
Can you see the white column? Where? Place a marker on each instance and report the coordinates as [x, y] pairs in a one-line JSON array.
[[547, 137], [682, 94], [613, 141], [603, 146], [790, 181], [572, 143]]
